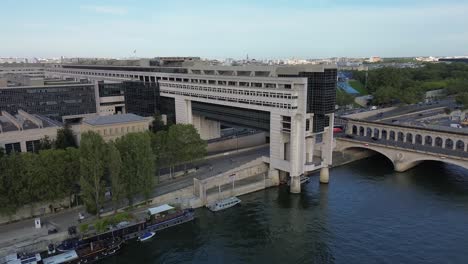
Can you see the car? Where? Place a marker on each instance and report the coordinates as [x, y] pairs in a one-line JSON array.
[[375, 138], [52, 230], [349, 136], [366, 144]]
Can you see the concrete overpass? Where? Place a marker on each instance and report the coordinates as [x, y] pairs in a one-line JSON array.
[[405, 146]]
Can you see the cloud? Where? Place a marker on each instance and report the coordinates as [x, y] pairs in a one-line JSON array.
[[113, 10]]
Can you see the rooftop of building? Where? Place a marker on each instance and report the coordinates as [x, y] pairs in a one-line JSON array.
[[193, 65], [113, 119], [11, 122]]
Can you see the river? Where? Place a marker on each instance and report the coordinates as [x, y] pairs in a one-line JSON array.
[[367, 214]]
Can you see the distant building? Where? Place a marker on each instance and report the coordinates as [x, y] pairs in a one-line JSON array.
[[22, 132], [374, 59], [52, 98], [114, 126]]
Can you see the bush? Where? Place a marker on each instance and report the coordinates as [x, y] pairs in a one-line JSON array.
[[84, 228]]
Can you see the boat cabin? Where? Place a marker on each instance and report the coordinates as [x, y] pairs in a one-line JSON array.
[[161, 211]]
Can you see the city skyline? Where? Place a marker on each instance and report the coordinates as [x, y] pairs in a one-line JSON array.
[[264, 29]]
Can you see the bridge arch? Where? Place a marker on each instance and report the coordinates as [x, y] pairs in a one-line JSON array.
[[428, 141], [369, 132], [355, 130], [460, 145], [361, 131], [414, 162], [384, 134], [409, 137], [376, 133], [401, 136], [390, 158], [449, 143], [392, 135], [418, 139], [438, 142]]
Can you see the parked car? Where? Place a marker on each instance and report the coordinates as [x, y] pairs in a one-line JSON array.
[[52, 230]]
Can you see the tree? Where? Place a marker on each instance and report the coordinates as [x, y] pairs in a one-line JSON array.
[[462, 99], [65, 138], [343, 99], [71, 172], [11, 178], [185, 144], [114, 164], [2, 152], [157, 124], [161, 153], [93, 153], [138, 165], [45, 143]]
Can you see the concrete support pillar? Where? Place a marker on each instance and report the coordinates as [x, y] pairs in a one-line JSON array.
[[466, 147], [423, 141], [324, 175], [273, 174], [327, 147], [297, 151], [23, 146], [310, 142], [183, 109], [295, 184]]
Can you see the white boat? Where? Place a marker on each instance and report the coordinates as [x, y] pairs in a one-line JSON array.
[[303, 179], [146, 236], [224, 204]]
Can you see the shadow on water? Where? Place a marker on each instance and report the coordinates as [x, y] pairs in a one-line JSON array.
[[438, 177]]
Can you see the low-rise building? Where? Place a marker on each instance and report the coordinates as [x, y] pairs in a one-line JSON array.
[[22, 132], [114, 126]]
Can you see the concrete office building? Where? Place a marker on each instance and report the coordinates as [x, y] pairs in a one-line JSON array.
[[294, 104], [22, 132], [55, 99]]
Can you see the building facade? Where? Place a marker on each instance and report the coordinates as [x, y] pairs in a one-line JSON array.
[[111, 127], [294, 104], [52, 101], [22, 132]]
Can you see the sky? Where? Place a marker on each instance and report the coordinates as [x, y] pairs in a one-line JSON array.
[[232, 29]]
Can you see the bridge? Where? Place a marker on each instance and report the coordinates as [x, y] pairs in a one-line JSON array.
[[405, 146]]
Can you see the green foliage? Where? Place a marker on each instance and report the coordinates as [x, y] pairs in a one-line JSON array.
[[157, 124], [456, 86], [358, 86], [408, 85], [65, 138], [83, 228], [2, 152], [185, 144], [102, 224], [342, 98], [462, 99], [93, 156], [114, 164], [45, 143], [138, 167]]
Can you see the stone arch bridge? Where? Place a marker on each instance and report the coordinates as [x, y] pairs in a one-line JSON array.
[[406, 146]]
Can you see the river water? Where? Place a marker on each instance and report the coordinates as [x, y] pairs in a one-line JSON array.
[[367, 214]]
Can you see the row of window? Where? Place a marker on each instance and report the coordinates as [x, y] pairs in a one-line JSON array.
[[232, 91], [119, 130], [184, 80], [235, 100]]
